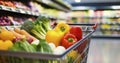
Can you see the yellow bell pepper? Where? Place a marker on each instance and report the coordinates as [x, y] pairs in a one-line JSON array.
[[55, 35], [4, 45], [6, 34], [62, 27]]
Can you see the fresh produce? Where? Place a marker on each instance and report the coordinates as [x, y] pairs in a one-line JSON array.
[[58, 49], [5, 45], [7, 3], [5, 34], [62, 27], [55, 35], [23, 32], [21, 5], [43, 47], [72, 55], [27, 25], [20, 34], [52, 45], [4, 20], [38, 28], [77, 31], [38, 36], [17, 35], [68, 40], [45, 22], [22, 45], [38, 31]]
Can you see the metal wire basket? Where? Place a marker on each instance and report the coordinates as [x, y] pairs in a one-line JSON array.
[[77, 53]]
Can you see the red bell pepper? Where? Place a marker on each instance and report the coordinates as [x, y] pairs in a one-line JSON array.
[[68, 40], [77, 31]]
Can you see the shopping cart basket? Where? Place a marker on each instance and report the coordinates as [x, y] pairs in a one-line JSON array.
[[76, 53]]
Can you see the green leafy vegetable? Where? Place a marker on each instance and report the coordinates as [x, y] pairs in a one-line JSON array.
[[44, 47], [45, 22], [28, 25], [22, 45], [39, 28]]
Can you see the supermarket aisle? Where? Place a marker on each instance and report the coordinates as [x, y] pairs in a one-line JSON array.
[[104, 51]]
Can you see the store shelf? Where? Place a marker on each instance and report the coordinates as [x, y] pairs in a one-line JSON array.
[[84, 24], [107, 17], [101, 23], [11, 27], [110, 23], [106, 36], [64, 4], [95, 5], [17, 10], [110, 29], [25, 12], [51, 4]]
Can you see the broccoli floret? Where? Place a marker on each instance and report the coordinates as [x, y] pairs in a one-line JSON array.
[[28, 25]]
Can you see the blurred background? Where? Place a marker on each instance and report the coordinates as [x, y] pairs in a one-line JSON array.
[[105, 42], [104, 47]]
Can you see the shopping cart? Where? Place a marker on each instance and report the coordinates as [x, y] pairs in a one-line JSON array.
[[77, 53]]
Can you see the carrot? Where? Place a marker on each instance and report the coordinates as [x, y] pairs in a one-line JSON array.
[[16, 34], [16, 29], [23, 32]]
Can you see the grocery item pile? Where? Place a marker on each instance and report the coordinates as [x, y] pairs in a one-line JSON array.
[[40, 36], [39, 32]]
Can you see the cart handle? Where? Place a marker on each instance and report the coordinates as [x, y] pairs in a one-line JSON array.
[[95, 26]]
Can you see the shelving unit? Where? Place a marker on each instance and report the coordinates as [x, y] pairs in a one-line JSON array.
[[64, 4], [17, 10], [105, 13], [111, 23], [108, 26], [55, 5], [28, 13]]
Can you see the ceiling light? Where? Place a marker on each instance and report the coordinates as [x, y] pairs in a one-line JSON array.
[[77, 0]]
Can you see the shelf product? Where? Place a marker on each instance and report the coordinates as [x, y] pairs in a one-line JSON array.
[[33, 8], [108, 20]]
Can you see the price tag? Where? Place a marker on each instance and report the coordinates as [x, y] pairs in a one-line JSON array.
[[13, 9], [29, 12], [10, 27], [22, 11], [17, 10], [4, 7], [8, 8], [0, 7]]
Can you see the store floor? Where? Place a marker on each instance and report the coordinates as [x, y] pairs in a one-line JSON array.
[[104, 51]]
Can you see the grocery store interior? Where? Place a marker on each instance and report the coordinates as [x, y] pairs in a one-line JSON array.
[[105, 41]]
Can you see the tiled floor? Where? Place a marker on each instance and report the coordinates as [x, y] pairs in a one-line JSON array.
[[104, 51]]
